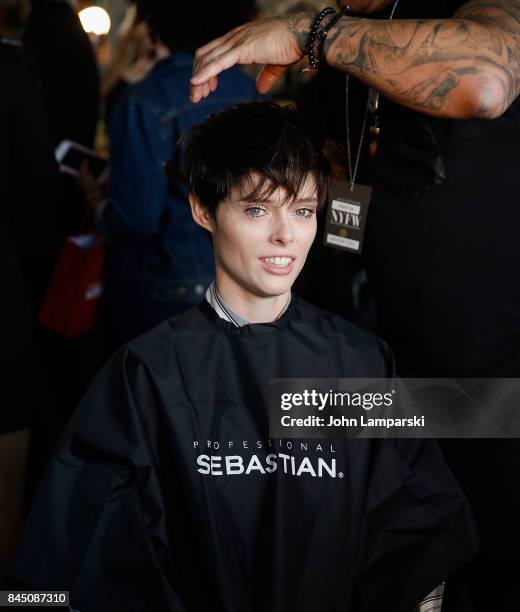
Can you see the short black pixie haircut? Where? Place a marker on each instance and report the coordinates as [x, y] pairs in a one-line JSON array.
[[253, 138]]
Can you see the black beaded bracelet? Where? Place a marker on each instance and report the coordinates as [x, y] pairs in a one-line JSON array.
[[311, 42], [320, 36]]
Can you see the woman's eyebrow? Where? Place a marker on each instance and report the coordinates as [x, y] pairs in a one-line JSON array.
[[291, 201], [277, 203]]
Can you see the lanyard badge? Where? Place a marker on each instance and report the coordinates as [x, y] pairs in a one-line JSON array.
[[347, 216], [349, 202]]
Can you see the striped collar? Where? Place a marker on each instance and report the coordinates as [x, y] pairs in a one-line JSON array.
[[224, 312]]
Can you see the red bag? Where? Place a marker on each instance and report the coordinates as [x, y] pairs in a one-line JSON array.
[[76, 287]]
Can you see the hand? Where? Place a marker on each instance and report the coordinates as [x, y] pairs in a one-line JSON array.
[[277, 42], [94, 191]]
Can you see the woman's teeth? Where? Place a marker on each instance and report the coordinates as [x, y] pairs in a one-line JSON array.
[[278, 261]]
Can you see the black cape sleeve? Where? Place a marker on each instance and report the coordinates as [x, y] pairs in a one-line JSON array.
[[418, 529], [97, 527]]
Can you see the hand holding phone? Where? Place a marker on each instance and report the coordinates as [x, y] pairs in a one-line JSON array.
[[70, 155], [94, 190]]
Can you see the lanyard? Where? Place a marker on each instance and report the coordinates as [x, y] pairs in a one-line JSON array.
[[372, 105]]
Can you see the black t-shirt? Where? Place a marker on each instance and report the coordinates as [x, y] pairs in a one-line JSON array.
[[166, 494], [442, 243], [68, 70], [28, 181], [67, 67], [29, 185], [441, 246]]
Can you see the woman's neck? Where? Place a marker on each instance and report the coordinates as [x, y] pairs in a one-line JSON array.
[[248, 306]]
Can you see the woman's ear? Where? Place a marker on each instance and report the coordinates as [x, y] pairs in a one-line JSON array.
[[201, 215]]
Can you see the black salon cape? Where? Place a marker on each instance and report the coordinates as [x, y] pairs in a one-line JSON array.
[[125, 521]]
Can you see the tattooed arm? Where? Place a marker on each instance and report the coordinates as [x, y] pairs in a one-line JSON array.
[[467, 66]]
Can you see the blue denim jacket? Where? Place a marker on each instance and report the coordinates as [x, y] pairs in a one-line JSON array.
[[156, 251]]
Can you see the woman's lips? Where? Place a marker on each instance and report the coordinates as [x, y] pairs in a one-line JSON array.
[[278, 269]]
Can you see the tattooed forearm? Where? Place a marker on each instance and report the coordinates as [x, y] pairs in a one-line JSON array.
[[461, 67]]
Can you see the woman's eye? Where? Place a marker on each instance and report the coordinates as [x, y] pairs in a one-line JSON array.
[[255, 211], [306, 213]]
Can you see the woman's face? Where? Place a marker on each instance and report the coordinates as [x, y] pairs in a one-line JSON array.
[[260, 248]]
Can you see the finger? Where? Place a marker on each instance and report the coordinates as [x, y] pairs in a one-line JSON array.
[[196, 64], [202, 61], [212, 55], [268, 77], [217, 65], [202, 53], [83, 166], [195, 93], [199, 92]]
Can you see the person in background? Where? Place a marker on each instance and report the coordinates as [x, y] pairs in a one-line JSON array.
[[135, 55], [159, 261], [28, 188], [30, 171], [66, 66]]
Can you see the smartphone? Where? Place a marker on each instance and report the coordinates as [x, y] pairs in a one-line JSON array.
[[70, 155]]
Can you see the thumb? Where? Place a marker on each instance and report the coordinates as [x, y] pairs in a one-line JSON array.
[[268, 78]]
